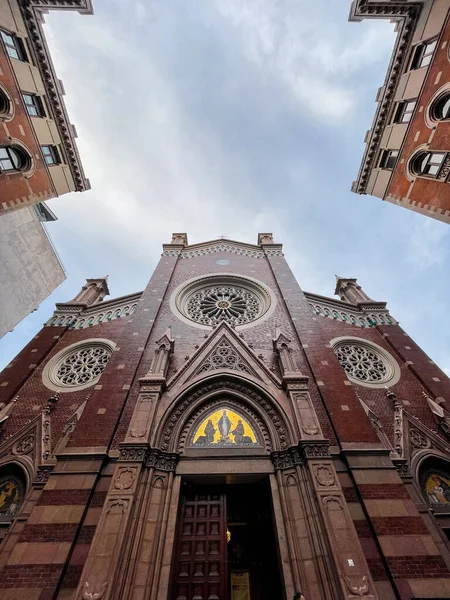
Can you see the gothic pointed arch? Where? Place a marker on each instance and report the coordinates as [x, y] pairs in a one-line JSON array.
[[263, 425]]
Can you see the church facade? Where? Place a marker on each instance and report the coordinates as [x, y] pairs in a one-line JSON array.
[[224, 435]]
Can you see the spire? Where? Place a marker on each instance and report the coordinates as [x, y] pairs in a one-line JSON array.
[[348, 290], [92, 292]]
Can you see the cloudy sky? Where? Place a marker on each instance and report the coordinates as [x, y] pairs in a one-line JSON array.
[[230, 117]]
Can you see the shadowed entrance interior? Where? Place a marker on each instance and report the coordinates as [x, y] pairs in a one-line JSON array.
[[226, 546]]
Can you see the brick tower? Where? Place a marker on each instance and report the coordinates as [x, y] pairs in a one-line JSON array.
[[224, 435]]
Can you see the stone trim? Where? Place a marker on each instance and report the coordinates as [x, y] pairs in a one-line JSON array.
[[31, 13], [173, 417], [133, 453], [393, 373], [288, 459], [181, 295], [80, 317], [224, 247], [406, 14], [359, 316], [49, 372], [162, 461]]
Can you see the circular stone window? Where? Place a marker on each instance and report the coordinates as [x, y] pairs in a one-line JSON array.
[[78, 366], [366, 363], [208, 301]]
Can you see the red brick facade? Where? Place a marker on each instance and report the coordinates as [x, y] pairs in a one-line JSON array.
[[433, 136], [344, 459], [36, 182]]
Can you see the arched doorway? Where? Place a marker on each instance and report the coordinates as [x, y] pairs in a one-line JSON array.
[[226, 541]]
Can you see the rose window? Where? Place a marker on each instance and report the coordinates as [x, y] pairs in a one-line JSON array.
[[361, 363], [209, 301], [83, 366], [213, 305], [78, 366]]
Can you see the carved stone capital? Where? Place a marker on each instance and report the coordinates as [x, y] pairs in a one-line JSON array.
[[42, 475], [162, 461], [402, 469], [133, 453], [287, 459], [316, 449]]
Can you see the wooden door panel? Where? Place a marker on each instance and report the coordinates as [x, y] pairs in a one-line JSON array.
[[200, 562]]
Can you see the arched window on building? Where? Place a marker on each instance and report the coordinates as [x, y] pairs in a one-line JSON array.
[[12, 493], [428, 163], [5, 104], [13, 159], [440, 107], [434, 481]]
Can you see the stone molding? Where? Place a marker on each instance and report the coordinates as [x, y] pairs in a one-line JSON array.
[[152, 457], [361, 315], [406, 14], [176, 415], [205, 408], [31, 12], [315, 449], [78, 316], [133, 453], [162, 461], [222, 247], [288, 459]]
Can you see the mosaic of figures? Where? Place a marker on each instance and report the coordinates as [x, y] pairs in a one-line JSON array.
[[360, 319], [224, 427], [437, 488], [11, 494]]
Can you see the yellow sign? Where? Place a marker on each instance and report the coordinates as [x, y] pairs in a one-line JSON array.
[[240, 586], [224, 427]]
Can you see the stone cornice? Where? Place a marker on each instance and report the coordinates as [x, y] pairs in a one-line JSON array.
[[79, 311], [406, 13], [222, 245], [32, 14], [362, 314]]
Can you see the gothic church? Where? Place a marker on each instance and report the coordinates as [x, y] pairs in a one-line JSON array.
[[224, 435]]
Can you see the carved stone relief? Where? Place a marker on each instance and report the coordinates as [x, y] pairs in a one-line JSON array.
[[418, 439], [133, 453], [308, 421], [317, 449], [287, 459], [25, 445], [125, 478], [324, 475]]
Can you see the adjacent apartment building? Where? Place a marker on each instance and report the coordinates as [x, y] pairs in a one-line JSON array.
[[407, 156], [38, 156]]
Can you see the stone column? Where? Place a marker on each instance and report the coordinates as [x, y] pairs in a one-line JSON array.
[[311, 563]]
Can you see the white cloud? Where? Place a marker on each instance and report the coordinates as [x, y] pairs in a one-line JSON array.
[[302, 46]]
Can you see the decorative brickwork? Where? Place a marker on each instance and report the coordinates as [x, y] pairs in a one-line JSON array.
[[104, 490]]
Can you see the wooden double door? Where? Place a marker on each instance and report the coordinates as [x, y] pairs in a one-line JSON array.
[[199, 571], [226, 541]]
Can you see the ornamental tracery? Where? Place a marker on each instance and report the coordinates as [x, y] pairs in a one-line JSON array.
[[78, 366], [224, 356], [233, 304], [83, 366], [366, 363], [206, 302], [361, 363]]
